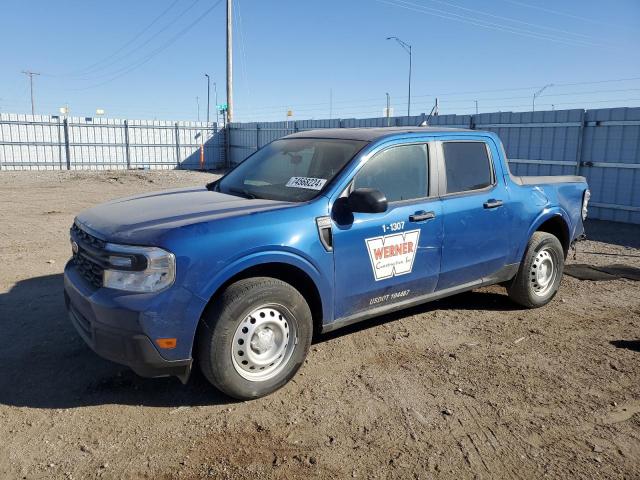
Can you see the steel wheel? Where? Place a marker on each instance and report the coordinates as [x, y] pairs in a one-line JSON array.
[[543, 272], [264, 342]]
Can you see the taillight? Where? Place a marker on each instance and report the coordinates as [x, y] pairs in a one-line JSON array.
[[585, 202]]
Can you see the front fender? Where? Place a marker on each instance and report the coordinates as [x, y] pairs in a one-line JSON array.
[[273, 256]]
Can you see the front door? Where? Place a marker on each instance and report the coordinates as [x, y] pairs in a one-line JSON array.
[[389, 257]]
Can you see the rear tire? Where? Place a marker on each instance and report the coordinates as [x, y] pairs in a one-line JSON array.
[[255, 337], [540, 272]]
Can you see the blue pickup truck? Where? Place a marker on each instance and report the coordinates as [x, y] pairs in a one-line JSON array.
[[315, 231]]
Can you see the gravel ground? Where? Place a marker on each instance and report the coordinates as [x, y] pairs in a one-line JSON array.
[[467, 387]]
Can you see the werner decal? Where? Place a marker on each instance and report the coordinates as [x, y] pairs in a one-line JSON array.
[[307, 182], [392, 255]]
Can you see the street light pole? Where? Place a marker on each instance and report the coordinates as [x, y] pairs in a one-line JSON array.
[[208, 93], [407, 48], [537, 94]]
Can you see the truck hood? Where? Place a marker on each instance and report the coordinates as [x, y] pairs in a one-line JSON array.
[[141, 219]]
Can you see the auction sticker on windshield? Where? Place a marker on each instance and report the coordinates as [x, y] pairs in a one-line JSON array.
[[307, 182]]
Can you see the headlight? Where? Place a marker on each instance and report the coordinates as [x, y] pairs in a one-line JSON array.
[[139, 269], [585, 202]]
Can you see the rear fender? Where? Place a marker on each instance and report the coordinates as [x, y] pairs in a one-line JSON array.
[[546, 214]]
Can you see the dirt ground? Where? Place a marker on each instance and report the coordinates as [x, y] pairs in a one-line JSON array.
[[468, 387]]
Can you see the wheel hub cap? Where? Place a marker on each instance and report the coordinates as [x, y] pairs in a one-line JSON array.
[[543, 272], [263, 342]]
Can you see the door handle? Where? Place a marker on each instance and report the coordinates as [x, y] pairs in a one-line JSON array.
[[421, 215], [492, 203]]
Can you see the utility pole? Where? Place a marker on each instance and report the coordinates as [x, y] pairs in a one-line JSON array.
[[208, 93], [229, 62], [537, 94], [215, 95], [330, 103], [388, 107], [476, 106], [30, 75], [407, 48]]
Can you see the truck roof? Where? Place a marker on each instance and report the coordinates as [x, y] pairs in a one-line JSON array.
[[371, 133]]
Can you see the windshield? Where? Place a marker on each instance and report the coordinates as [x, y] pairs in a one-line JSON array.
[[293, 170]]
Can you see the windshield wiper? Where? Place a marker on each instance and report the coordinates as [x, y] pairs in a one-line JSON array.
[[243, 192]]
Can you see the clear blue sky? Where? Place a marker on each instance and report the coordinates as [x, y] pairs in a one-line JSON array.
[[127, 58]]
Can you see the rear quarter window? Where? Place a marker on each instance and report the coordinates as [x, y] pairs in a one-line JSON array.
[[467, 166]]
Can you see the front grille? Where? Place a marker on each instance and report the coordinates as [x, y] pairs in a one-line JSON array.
[[87, 238], [90, 257]]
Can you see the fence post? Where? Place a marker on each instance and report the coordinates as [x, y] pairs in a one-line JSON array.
[[583, 120], [227, 145], [177, 133], [67, 150], [257, 136], [216, 144], [127, 153], [59, 142]]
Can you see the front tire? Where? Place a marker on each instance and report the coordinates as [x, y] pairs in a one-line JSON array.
[[255, 337], [540, 272]]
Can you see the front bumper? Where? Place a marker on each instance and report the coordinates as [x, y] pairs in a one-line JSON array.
[[117, 327]]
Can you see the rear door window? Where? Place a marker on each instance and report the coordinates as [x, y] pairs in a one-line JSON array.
[[467, 166]]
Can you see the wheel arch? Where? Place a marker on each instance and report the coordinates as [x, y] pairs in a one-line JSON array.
[[555, 222], [296, 271]]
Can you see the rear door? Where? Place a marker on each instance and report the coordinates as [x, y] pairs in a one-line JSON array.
[[389, 257], [476, 236]]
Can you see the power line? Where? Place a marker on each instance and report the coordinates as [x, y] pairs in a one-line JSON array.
[[509, 19], [484, 23], [443, 94], [95, 75], [243, 57], [527, 106], [91, 67], [140, 62], [557, 12], [466, 100]]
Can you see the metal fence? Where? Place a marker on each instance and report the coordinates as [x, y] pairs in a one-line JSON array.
[[603, 145], [39, 142]]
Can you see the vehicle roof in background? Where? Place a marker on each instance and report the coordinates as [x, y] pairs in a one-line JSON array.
[[371, 134]]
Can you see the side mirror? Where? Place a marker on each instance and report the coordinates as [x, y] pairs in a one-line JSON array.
[[367, 200]]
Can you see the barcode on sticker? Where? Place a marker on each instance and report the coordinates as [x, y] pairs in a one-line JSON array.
[[306, 182]]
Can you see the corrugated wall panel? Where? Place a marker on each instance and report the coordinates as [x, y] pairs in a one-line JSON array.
[[537, 143], [612, 136]]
